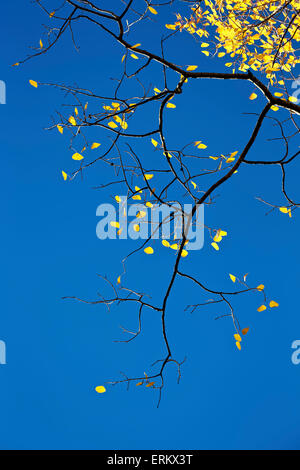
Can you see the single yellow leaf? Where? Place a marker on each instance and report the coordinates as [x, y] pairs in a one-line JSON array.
[[273, 304], [72, 121], [284, 210], [136, 228], [260, 287], [148, 176], [64, 174], [190, 68], [165, 243], [238, 345], [139, 383], [100, 389], [237, 337], [215, 246], [118, 199], [51, 14], [152, 10], [119, 280], [232, 277], [33, 83], [184, 253], [293, 99], [95, 145], [134, 56], [112, 124], [137, 197], [115, 224], [171, 105], [261, 308], [77, 156], [41, 44], [149, 250], [253, 96], [154, 142], [150, 384], [148, 204], [141, 214], [170, 26], [60, 128]]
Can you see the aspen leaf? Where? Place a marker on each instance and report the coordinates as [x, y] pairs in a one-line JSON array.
[[148, 176], [293, 99], [190, 68], [150, 384], [194, 184], [51, 14], [41, 44], [204, 44], [152, 10], [284, 210], [273, 304], [221, 54], [64, 174], [33, 83], [278, 94], [114, 224], [112, 124], [170, 26], [95, 145], [245, 330], [118, 199], [137, 197], [261, 308], [60, 128], [141, 214], [72, 121], [237, 337], [171, 105], [119, 280], [253, 96], [136, 228], [260, 287], [165, 243], [274, 108], [134, 56], [136, 45], [148, 204], [184, 253], [77, 156], [215, 246], [232, 277], [139, 383], [154, 142], [100, 389], [238, 345], [149, 250], [205, 53]]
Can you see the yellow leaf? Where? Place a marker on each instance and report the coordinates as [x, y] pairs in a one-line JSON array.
[[118, 199], [33, 83], [77, 156], [174, 246], [293, 99], [51, 14], [194, 184], [190, 68], [100, 389], [171, 105], [261, 308], [232, 277], [223, 233], [184, 253], [278, 94], [115, 224], [274, 108], [119, 280], [41, 44], [237, 337], [112, 124], [273, 304], [148, 176], [16, 64], [154, 142], [204, 44], [60, 128], [141, 214], [139, 383], [136, 197], [284, 210], [72, 121], [148, 204], [134, 56], [138, 189], [76, 111], [149, 250], [253, 96], [245, 330], [221, 54], [95, 145], [205, 53], [260, 287], [215, 246], [136, 228], [152, 10], [136, 45], [64, 174], [165, 243], [170, 26], [123, 57], [238, 345]]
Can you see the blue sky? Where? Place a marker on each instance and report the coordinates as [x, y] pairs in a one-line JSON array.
[[58, 351]]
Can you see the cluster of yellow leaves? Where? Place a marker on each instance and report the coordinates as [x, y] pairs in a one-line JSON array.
[[238, 338], [286, 210], [175, 246], [218, 238], [272, 304], [259, 35]]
